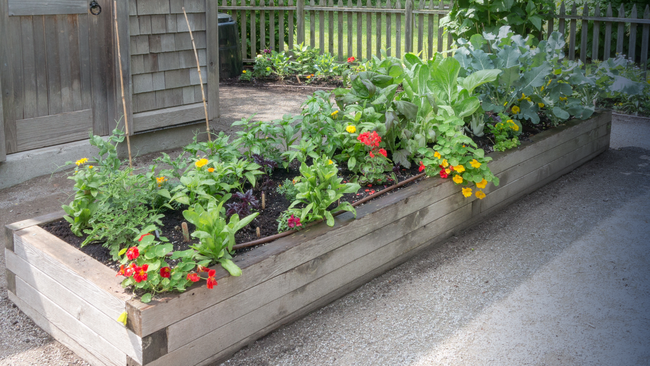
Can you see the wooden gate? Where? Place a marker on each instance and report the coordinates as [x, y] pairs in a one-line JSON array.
[[56, 73]]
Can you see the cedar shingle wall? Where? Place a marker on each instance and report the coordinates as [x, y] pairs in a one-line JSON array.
[[162, 59]]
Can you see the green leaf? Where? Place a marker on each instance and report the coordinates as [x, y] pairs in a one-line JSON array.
[[231, 267], [466, 107], [479, 78], [534, 78], [146, 298], [162, 250], [560, 113], [408, 109], [165, 193], [352, 162]]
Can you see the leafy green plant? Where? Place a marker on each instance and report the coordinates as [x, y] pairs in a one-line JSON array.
[[319, 187], [288, 190], [216, 235], [506, 133]]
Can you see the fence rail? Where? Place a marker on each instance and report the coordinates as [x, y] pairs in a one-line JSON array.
[[352, 28]]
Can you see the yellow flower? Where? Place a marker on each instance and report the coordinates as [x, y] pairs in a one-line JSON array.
[[122, 318], [81, 161], [563, 98], [515, 127], [334, 113], [330, 162], [505, 103], [480, 195], [351, 129], [458, 179], [475, 164], [549, 82], [482, 184], [510, 121], [437, 155], [448, 171], [467, 192], [160, 180], [528, 99], [211, 170], [515, 110], [523, 96], [542, 88], [459, 168], [444, 163], [201, 163], [541, 105], [90, 166], [243, 72], [308, 76]]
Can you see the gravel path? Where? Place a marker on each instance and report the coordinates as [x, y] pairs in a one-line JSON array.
[[560, 277]]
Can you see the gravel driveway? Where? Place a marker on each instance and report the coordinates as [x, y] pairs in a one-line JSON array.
[[560, 277]]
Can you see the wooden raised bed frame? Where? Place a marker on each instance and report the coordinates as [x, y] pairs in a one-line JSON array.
[[77, 299]]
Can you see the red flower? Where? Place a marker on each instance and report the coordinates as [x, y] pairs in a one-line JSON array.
[[121, 271], [142, 236], [201, 268], [351, 59], [370, 139], [165, 272], [383, 152], [372, 155], [211, 280], [132, 253], [443, 174], [140, 273], [422, 167], [193, 277], [129, 271], [293, 222]]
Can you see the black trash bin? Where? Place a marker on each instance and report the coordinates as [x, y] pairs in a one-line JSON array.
[[230, 61]]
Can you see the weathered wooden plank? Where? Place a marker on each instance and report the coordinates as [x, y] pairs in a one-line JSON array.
[[29, 68], [171, 23], [440, 29], [168, 117], [620, 35], [59, 334], [158, 79], [74, 64], [197, 22], [76, 306], [340, 30], [242, 31], [262, 25], [281, 29], [101, 70], [389, 24], [378, 33], [585, 33], [359, 33], [194, 76], [608, 35], [312, 25], [7, 119], [645, 39], [408, 26], [63, 28], [3, 149], [562, 22], [144, 24], [52, 7], [632, 42], [253, 28], [212, 62], [330, 23], [144, 102], [294, 301], [398, 30], [55, 90], [37, 132], [158, 24], [368, 31], [301, 21], [169, 61], [420, 27], [142, 83], [572, 34], [123, 38], [272, 45], [596, 37], [149, 7], [82, 35], [321, 28], [137, 64], [10, 228], [40, 72], [201, 323], [184, 41], [177, 78], [450, 41], [194, 6], [550, 25], [350, 31]]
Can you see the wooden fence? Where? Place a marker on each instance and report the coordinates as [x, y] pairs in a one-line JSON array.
[[394, 26]]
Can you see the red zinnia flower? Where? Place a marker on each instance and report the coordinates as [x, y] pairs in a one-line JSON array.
[[142, 236], [211, 280], [351, 59], [422, 167], [132, 253], [141, 273], [165, 272], [383, 152], [193, 277], [293, 222]]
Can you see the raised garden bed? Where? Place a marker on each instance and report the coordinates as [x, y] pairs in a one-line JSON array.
[[78, 300]]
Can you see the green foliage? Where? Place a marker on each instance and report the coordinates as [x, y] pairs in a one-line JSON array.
[[216, 235], [288, 190], [506, 133]]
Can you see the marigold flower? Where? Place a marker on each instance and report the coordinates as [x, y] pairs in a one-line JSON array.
[[459, 168], [351, 129], [81, 161], [480, 195], [330, 162], [458, 179], [193, 277], [132, 253], [308, 76], [201, 163], [142, 236], [211, 280], [516, 110], [422, 167], [161, 180], [165, 272], [475, 164], [467, 192], [444, 163], [444, 174], [351, 59], [141, 273], [243, 72], [510, 121], [294, 222], [541, 105], [333, 114], [482, 184], [90, 166], [437, 155], [211, 170]]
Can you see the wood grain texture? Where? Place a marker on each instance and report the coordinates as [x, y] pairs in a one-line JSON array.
[[142, 46], [47, 7], [167, 117], [212, 63], [33, 133]]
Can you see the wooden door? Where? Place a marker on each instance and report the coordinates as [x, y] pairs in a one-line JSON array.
[[55, 72]]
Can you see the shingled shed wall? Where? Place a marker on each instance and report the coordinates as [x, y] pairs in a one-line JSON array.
[[164, 79]]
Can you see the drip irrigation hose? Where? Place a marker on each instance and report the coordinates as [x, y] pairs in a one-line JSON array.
[[267, 239]]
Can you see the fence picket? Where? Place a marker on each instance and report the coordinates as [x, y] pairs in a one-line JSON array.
[[550, 24], [450, 41], [242, 33], [378, 36], [585, 33], [420, 26], [330, 17], [645, 39], [349, 28], [321, 28], [389, 24], [408, 26], [359, 52], [621, 30], [398, 30], [272, 26], [281, 29], [596, 37], [262, 26], [572, 34], [300, 23], [368, 31], [253, 31], [632, 46], [430, 31], [312, 25], [339, 15], [562, 22], [608, 34], [440, 29]]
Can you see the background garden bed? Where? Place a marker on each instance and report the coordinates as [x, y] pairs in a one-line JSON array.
[[283, 281]]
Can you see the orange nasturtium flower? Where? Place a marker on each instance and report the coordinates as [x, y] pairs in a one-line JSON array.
[[458, 179], [475, 164], [480, 195], [333, 114], [437, 155], [211, 170], [482, 184], [444, 163], [81, 161], [516, 110], [161, 180], [541, 105], [201, 163], [467, 192], [459, 168]]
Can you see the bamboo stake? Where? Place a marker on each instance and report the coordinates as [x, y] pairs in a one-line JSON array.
[[263, 200], [119, 60], [257, 231], [186, 232], [198, 67]]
